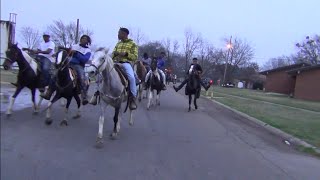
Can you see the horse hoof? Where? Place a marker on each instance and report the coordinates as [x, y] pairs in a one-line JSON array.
[[64, 122], [76, 116], [99, 143], [35, 112], [189, 110], [113, 136], [196, 107], [8, 114], [131, 123], [48, 121]]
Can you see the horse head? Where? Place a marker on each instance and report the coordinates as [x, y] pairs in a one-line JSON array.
[[193, 78], [154, 63], [140, 69], [12, 53], [100, 61], [62, 59]]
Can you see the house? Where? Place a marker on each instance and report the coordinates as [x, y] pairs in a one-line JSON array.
[[300, 80], [307, 84], [7, 35], [279, 81]]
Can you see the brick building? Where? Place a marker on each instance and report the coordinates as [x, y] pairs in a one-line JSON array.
[[300, 80]]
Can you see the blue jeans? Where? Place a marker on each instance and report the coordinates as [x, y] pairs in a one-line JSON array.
[[45, 65], [132, 80], [81, 75]]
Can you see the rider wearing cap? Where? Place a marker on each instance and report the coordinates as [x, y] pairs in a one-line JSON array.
[[81, 54], [43, 57]]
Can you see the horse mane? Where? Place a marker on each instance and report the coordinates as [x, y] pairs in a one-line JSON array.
[[27, 57], [106, 50]]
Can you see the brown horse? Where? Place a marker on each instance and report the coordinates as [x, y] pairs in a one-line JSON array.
[[141, 72]]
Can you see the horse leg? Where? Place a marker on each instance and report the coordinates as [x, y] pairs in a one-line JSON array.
[[116, 123], [65, 119], [49, 106], [35, 109], [139, 92], [77, 98], [195, 102], [99, 142], [39, 103], [190, 99], [158, 97], [13, 98], [149, 98]]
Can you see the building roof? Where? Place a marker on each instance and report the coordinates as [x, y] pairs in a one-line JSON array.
[[285, 68], [303, 69]]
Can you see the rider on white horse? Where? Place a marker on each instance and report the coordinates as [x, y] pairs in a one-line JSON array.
[[126, 53], [160, 66]]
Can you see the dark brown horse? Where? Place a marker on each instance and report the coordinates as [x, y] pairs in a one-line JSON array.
[[141, 72], [193, 87]]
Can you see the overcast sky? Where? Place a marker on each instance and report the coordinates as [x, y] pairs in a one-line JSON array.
[[272, 27]]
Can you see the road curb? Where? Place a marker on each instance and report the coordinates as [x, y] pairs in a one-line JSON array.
[[287, 137]]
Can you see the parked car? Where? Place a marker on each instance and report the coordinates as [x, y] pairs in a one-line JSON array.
[[228, 85]]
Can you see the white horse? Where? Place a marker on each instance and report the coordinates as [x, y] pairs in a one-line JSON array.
[[112, 91]]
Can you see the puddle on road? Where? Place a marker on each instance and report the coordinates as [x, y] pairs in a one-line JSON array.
[[22, 101]]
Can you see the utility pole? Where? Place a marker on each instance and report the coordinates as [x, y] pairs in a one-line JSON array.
[[229, 46], [77, 33]]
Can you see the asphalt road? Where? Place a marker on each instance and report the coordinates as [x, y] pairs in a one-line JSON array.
[[166, 142]]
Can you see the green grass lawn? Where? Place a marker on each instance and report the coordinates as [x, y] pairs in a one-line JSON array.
[[268, 97], [8, 76], [299, 123]]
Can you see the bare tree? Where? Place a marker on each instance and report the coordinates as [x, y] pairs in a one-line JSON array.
[[238, 55], [278, 62], [175, 47], [30, 36], [138, 36], [65, 34], [309, 50], [191, 44], [241, 52]]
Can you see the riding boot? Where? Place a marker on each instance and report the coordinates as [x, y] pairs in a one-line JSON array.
[[207, 87], [132, 102], [164, 87], [15, 84], [84, 97], [94, 98], [47, 94]]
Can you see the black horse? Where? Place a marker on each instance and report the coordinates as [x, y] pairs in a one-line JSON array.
[[29, 75], [155, 84], [193, 87], [65, 86]]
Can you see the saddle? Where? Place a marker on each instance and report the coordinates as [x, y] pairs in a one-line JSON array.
[[124, 78]]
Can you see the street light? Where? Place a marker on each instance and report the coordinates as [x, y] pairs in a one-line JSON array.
[[229, 46]]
